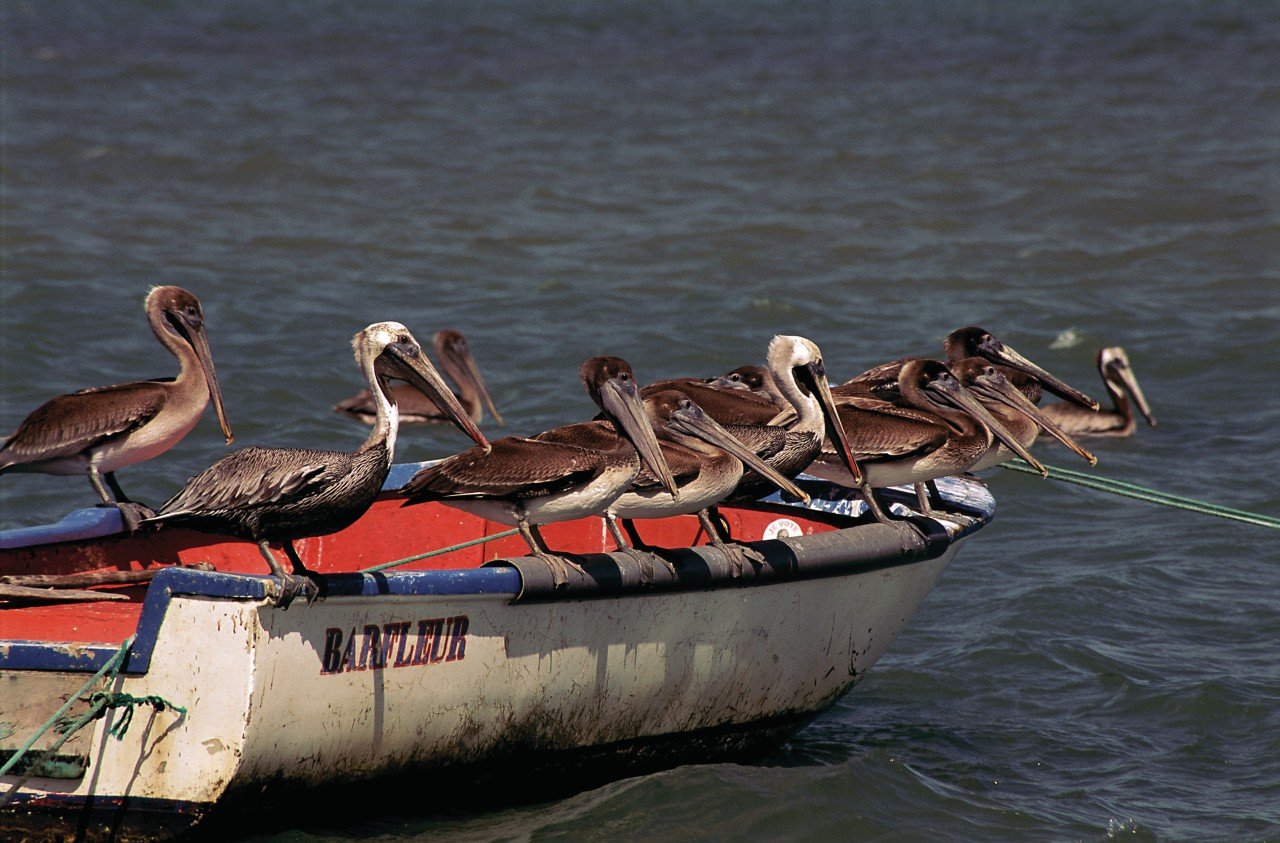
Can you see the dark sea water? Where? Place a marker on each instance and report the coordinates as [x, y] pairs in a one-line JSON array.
[[674, 183]]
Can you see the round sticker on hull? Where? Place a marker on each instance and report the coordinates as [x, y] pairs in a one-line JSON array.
[[782, 528]]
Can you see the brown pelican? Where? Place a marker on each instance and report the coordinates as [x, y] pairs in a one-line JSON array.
[[277, 495], [1015, 412], [972, 342], [454, 356], [787, 440], [705, 459], [932, 429], [559, 475], [1119, 379], [754, 379], [99, 431]]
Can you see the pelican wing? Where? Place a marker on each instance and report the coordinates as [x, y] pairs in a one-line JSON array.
[[879, 429], [515, 467], [684, 464], [250, 477], [74, 423], [726, 406]]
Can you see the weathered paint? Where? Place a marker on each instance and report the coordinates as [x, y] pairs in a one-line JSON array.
[[367, 683]]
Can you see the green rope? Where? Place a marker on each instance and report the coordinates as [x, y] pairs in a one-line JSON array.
[[112, 666], [100, 701], [1132, 490], [461, 546]]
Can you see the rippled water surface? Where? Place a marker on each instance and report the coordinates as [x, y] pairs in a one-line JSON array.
[[674, 183]]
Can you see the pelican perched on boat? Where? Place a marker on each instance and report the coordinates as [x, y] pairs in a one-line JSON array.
[[932, 428], [1121, 384], [972, 342], [788, 440], [453, 354], [278, 495], [101, 430], [706, 461], [754, 379], [990, 384], [559, 475]]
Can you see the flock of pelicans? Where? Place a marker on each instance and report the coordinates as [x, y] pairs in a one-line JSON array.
[[673, 447]]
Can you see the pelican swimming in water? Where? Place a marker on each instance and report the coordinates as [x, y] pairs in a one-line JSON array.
[[1121, 384], [972, 342], [101, 430], [932, 428], [278, 495], [454, 356], [788, 440], [706, 460], [559, 475]]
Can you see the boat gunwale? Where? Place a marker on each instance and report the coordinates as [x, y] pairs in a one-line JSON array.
[[918, 540]]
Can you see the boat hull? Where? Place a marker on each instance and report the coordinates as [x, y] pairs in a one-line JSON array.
[[465, 674]]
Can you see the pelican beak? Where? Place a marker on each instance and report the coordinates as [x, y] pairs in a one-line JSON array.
[[998, 352], [691, 420], [1126, 376], [471, 372], [200, 344], [417, 371], [817, 376], [1006, 393], [957, 396], [621, 399]]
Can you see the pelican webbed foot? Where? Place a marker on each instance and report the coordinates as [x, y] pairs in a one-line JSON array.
[[290, 586], [132, 514], [636, 548], [738, 554], [559, 565], [926, 493]]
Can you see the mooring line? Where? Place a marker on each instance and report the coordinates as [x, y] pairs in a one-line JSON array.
[[1133, 490], [419, 557]]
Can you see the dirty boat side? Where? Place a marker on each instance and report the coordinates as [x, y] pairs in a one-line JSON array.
[[469, 662]]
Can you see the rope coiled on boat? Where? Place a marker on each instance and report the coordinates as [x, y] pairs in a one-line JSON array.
[[99, 703]]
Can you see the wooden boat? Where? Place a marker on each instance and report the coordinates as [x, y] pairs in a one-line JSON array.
[[466, 665]]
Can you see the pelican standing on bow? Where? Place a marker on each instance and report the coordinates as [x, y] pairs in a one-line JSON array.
[[453, 353], [991, 385], [101, 430], [788, 440], [559, 475], [1118, 377], [706, 460], [278, 495], [932, 428], [973, 342]]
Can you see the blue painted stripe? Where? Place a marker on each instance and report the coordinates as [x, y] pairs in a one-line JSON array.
[[173, 582]]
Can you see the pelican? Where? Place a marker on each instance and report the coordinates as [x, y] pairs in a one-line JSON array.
[[559, 475], [789, 440], [1015, 412], [1118, 377], [754, 379], [973, 342], [706, 460], [934, 428], [101, 430], [454, 355], [278, 495]]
